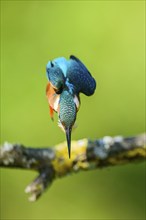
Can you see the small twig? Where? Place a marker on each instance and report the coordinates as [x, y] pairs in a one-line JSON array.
[[86, 155]]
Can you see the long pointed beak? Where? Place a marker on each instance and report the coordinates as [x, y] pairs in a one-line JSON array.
[[68, 138]]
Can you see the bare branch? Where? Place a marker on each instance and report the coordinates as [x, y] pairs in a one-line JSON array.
[[52, 162]]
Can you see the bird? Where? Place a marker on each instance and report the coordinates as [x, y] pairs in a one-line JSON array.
[[67, 78]]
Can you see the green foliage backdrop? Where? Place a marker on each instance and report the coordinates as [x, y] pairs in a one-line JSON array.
[[108, 36]]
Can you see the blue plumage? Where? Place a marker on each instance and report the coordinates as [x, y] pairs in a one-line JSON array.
[[80, 77], [68, 78], [71, 73], [67, 115], [56, 77]]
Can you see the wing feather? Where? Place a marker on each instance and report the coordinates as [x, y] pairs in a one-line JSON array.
[[80, 77]]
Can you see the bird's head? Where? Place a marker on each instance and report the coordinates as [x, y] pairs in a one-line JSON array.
[[67, 115]]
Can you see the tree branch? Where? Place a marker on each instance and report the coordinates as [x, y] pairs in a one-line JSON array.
[[86, 155]]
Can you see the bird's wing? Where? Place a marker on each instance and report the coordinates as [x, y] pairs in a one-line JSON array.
[[53, 99], [80, 77]]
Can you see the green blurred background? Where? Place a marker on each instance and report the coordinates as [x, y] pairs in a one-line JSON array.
[[108, 36]]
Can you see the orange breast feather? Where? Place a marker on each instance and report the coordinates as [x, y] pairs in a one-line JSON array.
[[53, 99]]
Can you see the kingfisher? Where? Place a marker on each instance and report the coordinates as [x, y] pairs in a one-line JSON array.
[[67, 79]]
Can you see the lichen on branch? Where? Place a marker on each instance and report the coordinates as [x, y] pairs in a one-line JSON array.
[[53, 162]]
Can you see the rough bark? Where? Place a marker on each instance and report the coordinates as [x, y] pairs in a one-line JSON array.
[[52, 162]]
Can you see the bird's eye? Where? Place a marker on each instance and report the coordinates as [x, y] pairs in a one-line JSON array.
[[52, 65]]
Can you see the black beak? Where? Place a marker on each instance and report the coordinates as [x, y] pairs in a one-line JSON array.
[[68, 138]]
